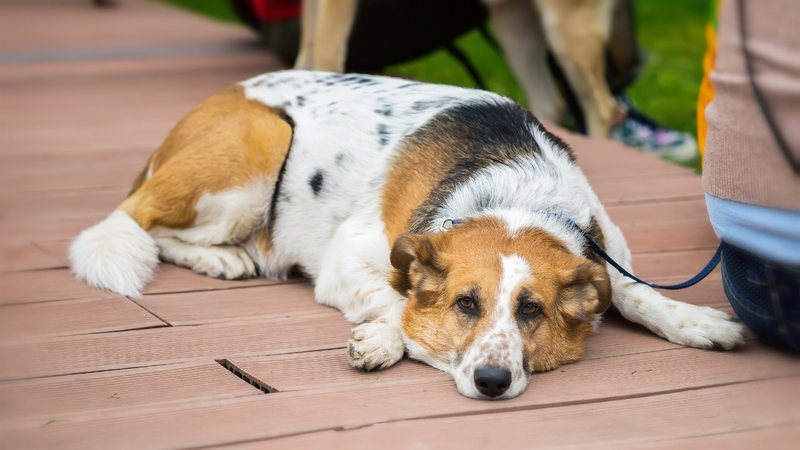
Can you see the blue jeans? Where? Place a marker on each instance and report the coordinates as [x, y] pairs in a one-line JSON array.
[[765, 296]]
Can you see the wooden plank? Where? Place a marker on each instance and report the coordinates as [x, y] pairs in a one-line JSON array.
[[99, 123], [172, 279], [44, 286], [108, 29], [620, 423], [678, 264], [22, 228], [658, 237], [263, 302], [25, 255], [72, 317], [614, 191], [783, 437], [286, 334], [329, 369], [706, 293], [638, 372], [618, 168], [34, 403], [60, 204], [546, 403], [607, 159], [104, 173], [247, 62], [128, 349], [676, 212]]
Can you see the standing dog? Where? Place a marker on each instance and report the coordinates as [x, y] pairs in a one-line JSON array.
[[437, 218], [576, 31]]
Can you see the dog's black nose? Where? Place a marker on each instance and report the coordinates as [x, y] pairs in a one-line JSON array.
[[492, 381]]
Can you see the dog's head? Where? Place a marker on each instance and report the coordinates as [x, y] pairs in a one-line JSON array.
[[491, 306]]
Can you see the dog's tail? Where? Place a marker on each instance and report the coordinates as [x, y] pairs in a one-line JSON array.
[[117, 253]]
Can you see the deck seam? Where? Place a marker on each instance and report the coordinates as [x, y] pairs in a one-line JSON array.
[[495, 411]]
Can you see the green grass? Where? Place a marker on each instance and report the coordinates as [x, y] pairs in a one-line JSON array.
[[670, 32], [217, 9]]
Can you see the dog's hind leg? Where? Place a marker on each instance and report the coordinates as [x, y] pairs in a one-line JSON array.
[[308, 18], [353, 278], [203, 197], [326, 26], [223, 230]]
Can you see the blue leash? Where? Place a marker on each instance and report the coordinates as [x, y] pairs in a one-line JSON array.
[[602, 253], [690, 282]]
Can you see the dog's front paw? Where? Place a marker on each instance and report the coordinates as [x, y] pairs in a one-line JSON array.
[[374, 345], [702, 327]]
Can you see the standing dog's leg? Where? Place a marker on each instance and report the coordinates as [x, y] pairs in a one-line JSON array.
[[519, 30], [326, 28], [577, 33], [353, 278], [332, 30], [308, 19]]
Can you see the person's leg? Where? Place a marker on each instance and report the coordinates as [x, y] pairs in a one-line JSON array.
[[765, 295]]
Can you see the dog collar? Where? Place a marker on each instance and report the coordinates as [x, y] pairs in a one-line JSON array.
[[450, 222]]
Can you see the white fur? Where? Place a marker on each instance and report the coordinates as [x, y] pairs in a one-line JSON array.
[[501, 344], [342, 131], [523, 189], [337, 133], [115, 254], [230, 262], [328, 222], [678, 322], [226, 217]]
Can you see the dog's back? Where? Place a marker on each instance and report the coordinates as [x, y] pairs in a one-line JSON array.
[[347, 131]]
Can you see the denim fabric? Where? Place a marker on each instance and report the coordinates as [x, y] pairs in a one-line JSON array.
[[765, 296], [768, 232]]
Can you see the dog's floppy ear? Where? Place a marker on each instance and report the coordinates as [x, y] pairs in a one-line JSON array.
[[586, 291], [415, 265]]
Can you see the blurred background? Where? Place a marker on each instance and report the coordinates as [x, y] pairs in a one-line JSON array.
[[670, 34]]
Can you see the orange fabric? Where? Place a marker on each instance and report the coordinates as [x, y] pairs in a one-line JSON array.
[[706, 88]]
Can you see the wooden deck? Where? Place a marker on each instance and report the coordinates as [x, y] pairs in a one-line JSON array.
[[85, 95]]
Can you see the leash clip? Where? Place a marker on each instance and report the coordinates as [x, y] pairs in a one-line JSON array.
[[448, 224]]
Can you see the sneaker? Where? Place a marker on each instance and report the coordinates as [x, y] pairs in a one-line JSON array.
[[639, 131]]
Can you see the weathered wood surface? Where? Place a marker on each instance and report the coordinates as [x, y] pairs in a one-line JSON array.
[[88, 94]]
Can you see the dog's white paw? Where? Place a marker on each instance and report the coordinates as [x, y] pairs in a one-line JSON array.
[[374, 345], [701, 327]]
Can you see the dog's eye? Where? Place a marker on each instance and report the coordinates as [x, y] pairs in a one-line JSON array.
[[466, 303], [529, 309]]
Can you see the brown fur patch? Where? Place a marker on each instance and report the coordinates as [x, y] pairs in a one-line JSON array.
[[416, 171], [564, 285], [225, 142]]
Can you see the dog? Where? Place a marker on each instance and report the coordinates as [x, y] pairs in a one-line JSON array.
[[576, 32], [435, 218]]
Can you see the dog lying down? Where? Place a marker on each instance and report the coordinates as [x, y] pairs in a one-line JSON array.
[[434, 217]]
